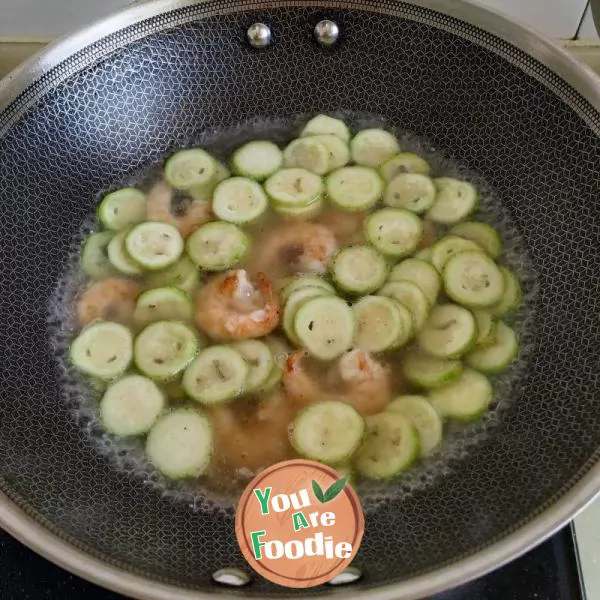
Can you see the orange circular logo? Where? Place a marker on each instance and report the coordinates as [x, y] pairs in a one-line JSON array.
[[299, 524]]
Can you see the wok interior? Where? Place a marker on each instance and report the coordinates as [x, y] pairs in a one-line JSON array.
[[162, 92]]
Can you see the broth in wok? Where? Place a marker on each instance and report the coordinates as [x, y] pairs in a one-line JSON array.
[[331, 300]]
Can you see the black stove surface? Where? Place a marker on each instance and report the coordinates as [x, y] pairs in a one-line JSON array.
[[548, 572]]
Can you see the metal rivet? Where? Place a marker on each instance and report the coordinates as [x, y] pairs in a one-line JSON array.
[[231, 576], [259, 35], [327, 32], [348, 575]]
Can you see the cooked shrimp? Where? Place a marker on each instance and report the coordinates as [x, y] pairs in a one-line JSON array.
[[112, 299], [347, 226], [301, 387], [296, 247], [251, 436], [233, 307], [367, 381], [160, 208], [356, 378]]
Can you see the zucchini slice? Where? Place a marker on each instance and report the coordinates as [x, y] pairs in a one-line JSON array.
[[487, 327], [449, 332], [359, 269], [130, 406], [424, 418], [260, 363], [410, 295], [217, 374], [354, 188], [180, 444], [429, 372], [309, 211], [455, 200], [103, 350], [373, 147], [394, 231], [94, 255], [325, 326], [329, 432], [204, 193], [258, 160], [163, 304], [405, 162], [119, 257], [183, 275], [325, 125], [294, 187], [512, 294], [412, 191], [293, 303], [122, 209], [191, 168], [467, 398], [496, 357], [390, 448], [217, 246], [473, 279], [307, 153], [420, 272], [154, 246], [338, 153], [447, 247], [303, 281], [164, 349], [239, 200], [482, 234], [381, 325]]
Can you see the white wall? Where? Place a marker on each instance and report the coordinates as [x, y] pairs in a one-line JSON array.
[[50, 18]]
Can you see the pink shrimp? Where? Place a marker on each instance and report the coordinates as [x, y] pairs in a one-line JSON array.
[[112, 298], [355, 378], [159, 208], [233, 307], [296, 247]]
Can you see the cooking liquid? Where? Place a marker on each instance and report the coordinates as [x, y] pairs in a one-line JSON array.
[[219, 487]]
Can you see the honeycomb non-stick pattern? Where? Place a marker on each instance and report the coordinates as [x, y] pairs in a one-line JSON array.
[[424, 72]]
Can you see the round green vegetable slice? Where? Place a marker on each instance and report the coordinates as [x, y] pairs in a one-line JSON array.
[[239, 200], [473, 279], [154, 246], [217, 246], [424, 419], [216, 375], [449, 332], [122, 209], [394, 231], [429, 372], [390, 448], [467, 398], [496, 357], [130, 406], [329, 432], [191, 168], [164, 349], [180, 444], [412, 191]]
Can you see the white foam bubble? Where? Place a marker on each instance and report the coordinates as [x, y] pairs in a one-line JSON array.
[[128, 455]]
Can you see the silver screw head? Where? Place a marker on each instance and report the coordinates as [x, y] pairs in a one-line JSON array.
[[327, 32], [259, 35]]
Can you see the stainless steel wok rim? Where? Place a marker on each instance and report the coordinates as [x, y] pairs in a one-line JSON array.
[[33, 534]]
